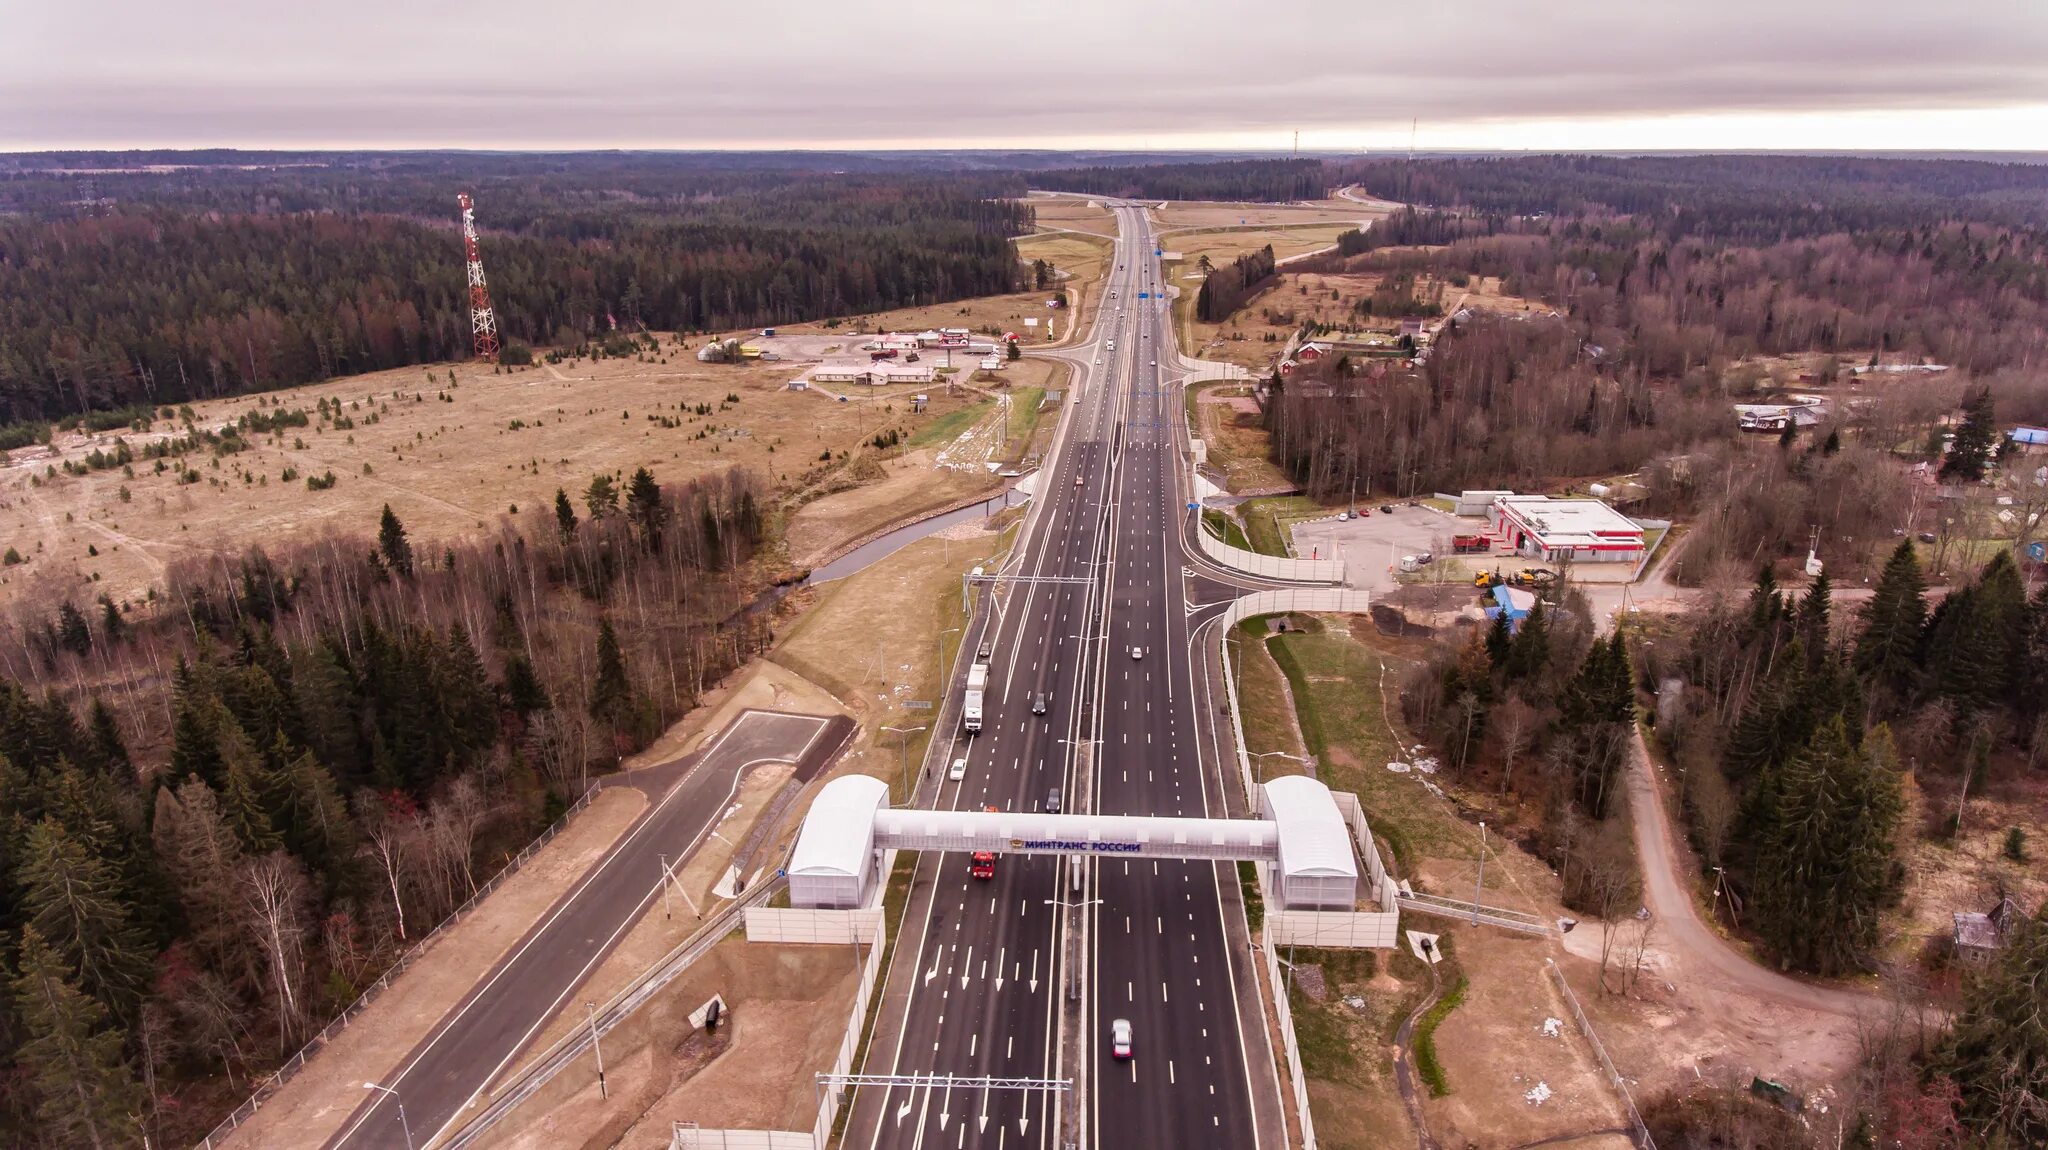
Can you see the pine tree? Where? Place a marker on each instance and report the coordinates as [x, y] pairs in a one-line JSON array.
[[74, 900], [1894, 622], [86, 1093], [644, 507], [1970, 452], [243, 801], [565, 516], [611, 694], [308, 812], [1997, 1053], [601, 498], [392, 543]]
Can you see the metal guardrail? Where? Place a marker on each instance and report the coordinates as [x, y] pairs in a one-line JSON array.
[[297, 1062], [1475, 912]]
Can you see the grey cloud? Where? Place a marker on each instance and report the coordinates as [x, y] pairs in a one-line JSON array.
[[517, 73]]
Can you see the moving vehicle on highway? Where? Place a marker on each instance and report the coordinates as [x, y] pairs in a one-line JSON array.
[[1040, 702], [1120, 1039], [1052, 802], [970, 708], [982, 864], [1137, 652], [958, 771]]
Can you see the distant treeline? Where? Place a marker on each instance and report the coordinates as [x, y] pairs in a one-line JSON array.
[[1261, 180], [1748, 198], [197, 284]]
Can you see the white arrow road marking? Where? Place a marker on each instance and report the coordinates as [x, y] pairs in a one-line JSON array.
[[1034, 970], [945, 1114], [966, 965], [982, 1121], [904, 1109], [999, 969]]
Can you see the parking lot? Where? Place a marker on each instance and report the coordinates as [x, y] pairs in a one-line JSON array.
[[1373, 544]]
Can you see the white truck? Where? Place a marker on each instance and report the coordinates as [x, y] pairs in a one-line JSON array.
[[977, 685]]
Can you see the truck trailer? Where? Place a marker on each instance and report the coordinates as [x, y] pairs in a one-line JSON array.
[[977, 685]]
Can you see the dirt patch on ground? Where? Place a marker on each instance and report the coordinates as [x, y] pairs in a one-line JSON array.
[[984, 314], [451, 459], [312, 1107], [1237, 440], [1502, 1043], [788, 1012]]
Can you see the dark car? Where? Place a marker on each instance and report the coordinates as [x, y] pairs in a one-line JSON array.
[[1039, 703], [1386, 509], [1052, 801]]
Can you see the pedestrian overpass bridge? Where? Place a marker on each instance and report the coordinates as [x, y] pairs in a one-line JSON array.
[[850, 826]]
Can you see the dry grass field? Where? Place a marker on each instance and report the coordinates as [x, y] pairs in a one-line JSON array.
[[450, 457], [997, 313], [1073, 213], [1083, 259], [1217, 213]]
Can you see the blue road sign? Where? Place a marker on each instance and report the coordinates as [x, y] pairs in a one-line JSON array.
[[1192, 506], [1144, 295]]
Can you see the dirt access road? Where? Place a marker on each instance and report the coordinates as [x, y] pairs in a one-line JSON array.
[[1700, 952]]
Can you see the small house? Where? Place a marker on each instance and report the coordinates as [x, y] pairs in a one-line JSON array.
[[1979, 937]]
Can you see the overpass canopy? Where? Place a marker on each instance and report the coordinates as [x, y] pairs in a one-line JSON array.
[[835, 860], [1317, 867]]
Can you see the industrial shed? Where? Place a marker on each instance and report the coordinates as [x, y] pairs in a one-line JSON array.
[[835, 862], [1315, 868]]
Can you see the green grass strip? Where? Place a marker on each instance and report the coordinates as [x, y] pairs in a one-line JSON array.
[[1426, 1063]]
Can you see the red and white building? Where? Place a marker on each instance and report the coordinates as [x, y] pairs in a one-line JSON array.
[[1566, 530]]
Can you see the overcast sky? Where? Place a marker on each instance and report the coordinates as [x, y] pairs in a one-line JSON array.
[[1967, 74]]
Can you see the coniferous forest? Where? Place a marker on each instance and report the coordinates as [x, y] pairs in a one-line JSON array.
[[222, 819], [153, 287]]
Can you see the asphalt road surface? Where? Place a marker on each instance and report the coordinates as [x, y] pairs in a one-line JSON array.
[[484, 1032], [1017, 975]]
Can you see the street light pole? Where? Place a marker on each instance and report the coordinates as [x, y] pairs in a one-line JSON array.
[[602, 1090], [1479, 884], [903, 755], [402, 1123]]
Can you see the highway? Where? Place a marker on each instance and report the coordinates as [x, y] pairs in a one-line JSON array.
[[1020, 975], [499, 1016]]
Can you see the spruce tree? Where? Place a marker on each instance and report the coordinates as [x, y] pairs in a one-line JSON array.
[[1997, 1052], [109, 753], [565, 516], [1531, 647], [1894, 623], [1764, 604], [86, 1095], [72, 632], [524, 693], [1828, 865], [393, 544], [644, 507], [1970, 452], [1499, 642], [195, 749], [611, 694], [1816, 609], [111, 624], [74, 897]]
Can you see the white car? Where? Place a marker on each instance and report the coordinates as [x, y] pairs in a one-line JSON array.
[[1120, 1039], [959, 770], [1137, 652]]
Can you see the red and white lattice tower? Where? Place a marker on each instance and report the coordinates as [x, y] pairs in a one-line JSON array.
[[483, 323]]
